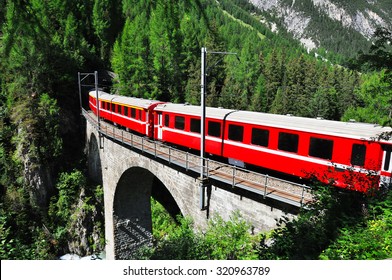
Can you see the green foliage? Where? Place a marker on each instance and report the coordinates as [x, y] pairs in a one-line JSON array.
[[229, 240], [42, 46], [158, 56], [62, 206], [379, 55], [50, 142], [16, 216], [375, 92], [181, 244], [106, 20], [163, 223], [311, 232], [12, 247], [222, 240], [6, 241], [376, 98], [68, 186], [165, 40], [130, 58], [337, 226], [76, 203], [154, 48], [368, 241]]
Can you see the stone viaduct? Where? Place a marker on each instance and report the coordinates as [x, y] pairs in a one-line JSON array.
[[130, 177]]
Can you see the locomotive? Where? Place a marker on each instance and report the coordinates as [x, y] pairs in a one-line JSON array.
[[348, 155]]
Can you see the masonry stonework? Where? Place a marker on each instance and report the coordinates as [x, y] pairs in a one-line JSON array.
[[128, 178]]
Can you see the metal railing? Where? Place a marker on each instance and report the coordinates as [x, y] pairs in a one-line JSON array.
[[262, 184]]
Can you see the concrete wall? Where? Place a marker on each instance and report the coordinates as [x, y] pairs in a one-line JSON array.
[[128, 179]]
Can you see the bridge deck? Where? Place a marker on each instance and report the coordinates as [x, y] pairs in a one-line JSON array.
[[261, 184]]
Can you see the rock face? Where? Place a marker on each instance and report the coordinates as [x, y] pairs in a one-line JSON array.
[[362, 16], [39, 178], [87, 227], [364, 21]]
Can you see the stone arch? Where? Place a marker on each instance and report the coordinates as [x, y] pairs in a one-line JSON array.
[[132, 220], [132, 212], [161, 194], [94, 160]]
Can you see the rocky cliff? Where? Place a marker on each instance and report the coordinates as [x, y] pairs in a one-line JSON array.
[[309, 20]]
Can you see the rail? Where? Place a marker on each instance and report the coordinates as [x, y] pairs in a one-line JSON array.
[[261, 184]]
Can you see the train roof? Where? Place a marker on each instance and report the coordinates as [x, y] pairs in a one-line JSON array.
[[315, 125], [336, 128], [124, 100], [216, 113]]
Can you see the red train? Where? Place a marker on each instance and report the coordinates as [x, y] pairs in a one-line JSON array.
[[344, 154]]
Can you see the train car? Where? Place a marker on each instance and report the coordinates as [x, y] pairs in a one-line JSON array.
[[344, 154], [134, 114], [179, 124]]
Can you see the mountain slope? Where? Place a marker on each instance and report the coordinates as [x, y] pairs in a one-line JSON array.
[[341, 26]]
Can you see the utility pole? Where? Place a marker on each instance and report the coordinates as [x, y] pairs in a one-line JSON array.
[[203, 178], [80, 92], [97, 98], [203, 183], [203, 111], [80, 80]]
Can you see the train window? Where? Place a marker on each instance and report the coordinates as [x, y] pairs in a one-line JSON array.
[[321, 148], [260, 137], [214, 129], [387, 159], [126, 111], [358, 154], [236, 132], [113, 107], [288, 142], [195, 125], [119, 109], [179, 122], [167, 120], [133, 113]]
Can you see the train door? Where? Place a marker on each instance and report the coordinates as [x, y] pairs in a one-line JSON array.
[[160, 124], [150, 131], [386, 168], [148, 119]]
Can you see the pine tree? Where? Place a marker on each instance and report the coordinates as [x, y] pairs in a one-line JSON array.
[[107, 21], [258, 101], [131, 58], [216, 68], [165, 47], [273, 71], [192, 88], [323, 104], [346, 84], [380, 53], [297, 98], [190, 53], [280, 105], [376, 95]]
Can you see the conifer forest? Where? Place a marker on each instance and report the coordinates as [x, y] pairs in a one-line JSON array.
[[153, 48]]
